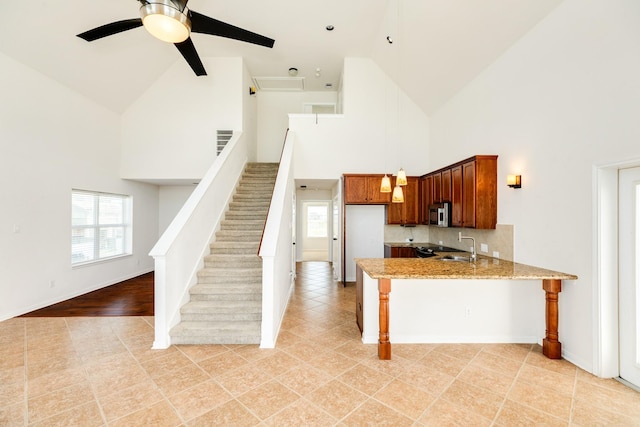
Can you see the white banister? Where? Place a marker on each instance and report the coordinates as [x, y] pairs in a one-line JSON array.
[[179, 252], [276, 250]]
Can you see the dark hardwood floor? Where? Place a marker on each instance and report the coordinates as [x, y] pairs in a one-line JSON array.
[[133, 297]]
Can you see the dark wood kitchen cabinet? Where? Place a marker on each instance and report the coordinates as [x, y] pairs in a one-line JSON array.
[[407, 213], [399, 251], [426, 199], [479, 192], [359, 298], [472, 189], [446, 185], [477, 205], [436, 192], [456, 196], [364, 189]]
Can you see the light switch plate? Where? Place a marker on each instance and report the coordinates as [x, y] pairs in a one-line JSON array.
[[484, 248]]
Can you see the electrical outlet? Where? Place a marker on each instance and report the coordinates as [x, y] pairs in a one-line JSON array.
[[440, 242], [496, 254], [52, 283], [484, 248], [16, 228], [467, 312]]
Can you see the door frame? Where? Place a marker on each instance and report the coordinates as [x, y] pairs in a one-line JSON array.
[[606, 349]]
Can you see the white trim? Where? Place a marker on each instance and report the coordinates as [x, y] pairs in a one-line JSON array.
[[605, 268]]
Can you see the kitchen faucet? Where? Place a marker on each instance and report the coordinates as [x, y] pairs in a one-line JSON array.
[[473, 250]]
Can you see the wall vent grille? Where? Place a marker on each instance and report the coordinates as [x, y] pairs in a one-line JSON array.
[[222, 137]]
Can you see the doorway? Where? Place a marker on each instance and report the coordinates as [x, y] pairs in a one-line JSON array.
[[629, 274], [316, 231]]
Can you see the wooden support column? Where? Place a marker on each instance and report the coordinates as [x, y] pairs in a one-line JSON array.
[[384, 345], [551, 347]]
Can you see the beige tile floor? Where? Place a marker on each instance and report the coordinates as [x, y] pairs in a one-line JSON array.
[[102, 372]]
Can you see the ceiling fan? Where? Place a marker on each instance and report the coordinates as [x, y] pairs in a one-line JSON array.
[[171, 21]]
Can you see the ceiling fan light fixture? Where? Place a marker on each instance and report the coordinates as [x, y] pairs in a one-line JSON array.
[[165, 22]]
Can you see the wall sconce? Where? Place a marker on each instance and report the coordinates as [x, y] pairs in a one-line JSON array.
[[514, 181]]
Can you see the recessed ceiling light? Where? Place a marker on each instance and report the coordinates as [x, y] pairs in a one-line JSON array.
[[389, 39], [329, 27], [328, 85], [293, 71]]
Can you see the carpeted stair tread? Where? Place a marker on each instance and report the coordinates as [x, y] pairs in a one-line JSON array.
[[225, 304]]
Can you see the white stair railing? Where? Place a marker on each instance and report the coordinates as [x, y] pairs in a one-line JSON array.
[[180, 251], [276, 249]]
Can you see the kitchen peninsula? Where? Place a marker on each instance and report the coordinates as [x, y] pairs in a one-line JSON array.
[[423, 273]]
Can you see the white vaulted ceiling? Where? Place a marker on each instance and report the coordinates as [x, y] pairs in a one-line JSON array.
[[439, 45]]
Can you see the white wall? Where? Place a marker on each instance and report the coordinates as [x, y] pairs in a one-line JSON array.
[[51, 141], [565, 98], [381, 130], [170, 131], [365, 139], [457, 311], [171, 198], [249, 115], [273, 119]]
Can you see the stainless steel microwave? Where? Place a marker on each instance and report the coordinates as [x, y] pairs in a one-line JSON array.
[[440, 214]]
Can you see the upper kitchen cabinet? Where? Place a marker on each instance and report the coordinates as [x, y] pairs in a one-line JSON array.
[[426, 198], [446, 185], [474, 199], [408, 212], [361, 189], [456, 196], [471, 187], [480, 192], [436, 190]]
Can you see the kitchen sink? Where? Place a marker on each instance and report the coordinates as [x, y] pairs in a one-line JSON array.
[[454, 258]]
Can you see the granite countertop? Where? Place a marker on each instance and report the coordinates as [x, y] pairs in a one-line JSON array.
[[434, 268]]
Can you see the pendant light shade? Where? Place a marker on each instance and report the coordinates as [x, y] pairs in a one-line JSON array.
[[402, 177], [398, 196], [385, 185]]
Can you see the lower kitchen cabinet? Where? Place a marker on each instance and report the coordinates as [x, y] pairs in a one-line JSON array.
[[399, 252], [359, 298]]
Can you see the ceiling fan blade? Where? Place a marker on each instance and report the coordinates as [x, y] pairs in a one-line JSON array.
[[188, 51], [205, 25], [110, 29]]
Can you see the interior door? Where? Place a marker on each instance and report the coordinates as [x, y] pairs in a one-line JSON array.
[[629, 274]]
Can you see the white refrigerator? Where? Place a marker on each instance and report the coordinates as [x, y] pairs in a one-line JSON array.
[[364, 235]]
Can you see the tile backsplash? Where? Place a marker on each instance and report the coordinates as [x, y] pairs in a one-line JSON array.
[[499, 240]]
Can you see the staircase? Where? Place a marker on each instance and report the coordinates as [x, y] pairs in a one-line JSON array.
[[225, 305]]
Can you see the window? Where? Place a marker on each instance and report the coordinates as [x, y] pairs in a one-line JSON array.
[[317, 219], [100, 226]]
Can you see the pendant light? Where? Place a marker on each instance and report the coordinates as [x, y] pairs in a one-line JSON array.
[[402, 177], [385, 185], [398, 195]]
